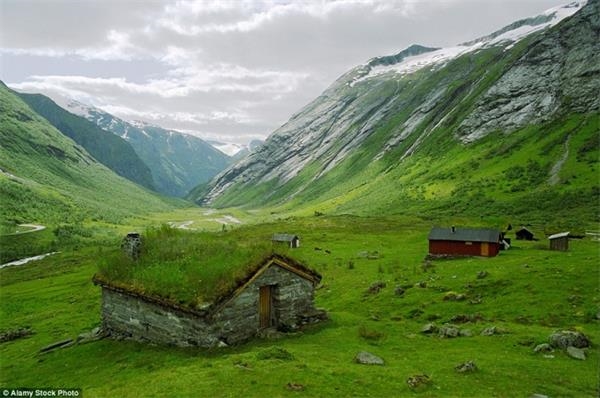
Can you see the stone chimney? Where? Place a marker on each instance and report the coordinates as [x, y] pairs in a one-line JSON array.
[[132, 245]]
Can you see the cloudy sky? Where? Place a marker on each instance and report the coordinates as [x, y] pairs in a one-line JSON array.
[[231, 70]]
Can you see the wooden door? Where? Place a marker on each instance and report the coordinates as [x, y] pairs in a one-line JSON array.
[[485, 249], [265, 306]]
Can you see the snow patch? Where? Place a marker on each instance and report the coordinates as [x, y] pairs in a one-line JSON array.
[[440, 57]]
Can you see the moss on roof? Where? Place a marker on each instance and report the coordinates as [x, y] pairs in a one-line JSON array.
[[188, 268]]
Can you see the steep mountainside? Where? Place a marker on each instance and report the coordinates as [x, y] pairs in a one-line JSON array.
[[412, 126], [109, 149], [46, 177], [178, 162]]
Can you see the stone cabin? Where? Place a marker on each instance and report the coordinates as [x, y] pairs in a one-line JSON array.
[[277, 295], [293, 241]]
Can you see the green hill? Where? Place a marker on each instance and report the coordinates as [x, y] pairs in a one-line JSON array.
[[109, 149], [47, 178]]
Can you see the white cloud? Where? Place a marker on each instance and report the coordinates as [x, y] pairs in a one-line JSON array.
[[224, 67]]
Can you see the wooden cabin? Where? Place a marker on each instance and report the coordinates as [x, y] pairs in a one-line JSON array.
[[293, 241], [524, 234], [459, 241], [559, 241]]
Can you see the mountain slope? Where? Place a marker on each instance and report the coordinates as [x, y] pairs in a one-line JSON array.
[[110, 150], [509, 94], [46, 177], [178, 162]]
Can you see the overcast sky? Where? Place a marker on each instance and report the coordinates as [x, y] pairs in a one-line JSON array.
[[227, 70]]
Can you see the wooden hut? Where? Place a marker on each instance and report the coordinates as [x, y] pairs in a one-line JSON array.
[[458, 241], [293, 241], [524, 234], [559, 241]]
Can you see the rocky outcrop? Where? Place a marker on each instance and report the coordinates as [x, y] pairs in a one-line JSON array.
[[559, 72]]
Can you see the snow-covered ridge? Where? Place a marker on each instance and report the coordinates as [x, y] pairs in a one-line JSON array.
[[504, 36]]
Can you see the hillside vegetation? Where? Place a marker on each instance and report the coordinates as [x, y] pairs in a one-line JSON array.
[[47, 178], [107, 148], [526, 293], [178, 162]]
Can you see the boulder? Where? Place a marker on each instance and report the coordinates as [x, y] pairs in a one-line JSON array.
[[492, 330], [467, 367], [366, 358], [545, 347], [465, 333], [453, 296], [482, 274], [294, 387], [568, 338], [376, 287], [429, 328], [449, 331], [418, 381], [576, 353], [399, 291]]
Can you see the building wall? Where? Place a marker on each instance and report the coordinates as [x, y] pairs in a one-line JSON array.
[[129, 316], [293, 297], [561, 244], [446, 247]]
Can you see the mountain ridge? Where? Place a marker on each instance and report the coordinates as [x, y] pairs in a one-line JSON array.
[[109, 149], [177, 161], [380, 120]]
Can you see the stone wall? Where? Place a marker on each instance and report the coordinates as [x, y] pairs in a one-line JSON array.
[[128, 316], [237, 320]]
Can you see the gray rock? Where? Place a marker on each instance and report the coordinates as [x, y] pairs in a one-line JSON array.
[[568, 338], [576, 353], [538, 396], [376, 287], [482, 274], [467, 367], [453, 296], [449, 331], [366, 358], [57, 345], [492, 330], [465, 333], [417, 382], [545, 347], [399, 291], [429, 328]]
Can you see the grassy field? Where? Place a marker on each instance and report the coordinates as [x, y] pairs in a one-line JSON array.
[[529, 291]]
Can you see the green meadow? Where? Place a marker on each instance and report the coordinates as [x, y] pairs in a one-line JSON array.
[[528, 293]]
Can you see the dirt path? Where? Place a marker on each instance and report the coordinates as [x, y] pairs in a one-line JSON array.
[[34, 228], [26, 260]]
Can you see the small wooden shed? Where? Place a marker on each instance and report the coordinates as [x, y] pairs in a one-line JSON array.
[[559, 241], [524, 234], [460, 241], [293, 241]]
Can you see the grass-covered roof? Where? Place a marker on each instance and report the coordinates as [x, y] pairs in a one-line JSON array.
[[189, 268]]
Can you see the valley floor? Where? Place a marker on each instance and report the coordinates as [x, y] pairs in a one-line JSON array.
[[527, 292]]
